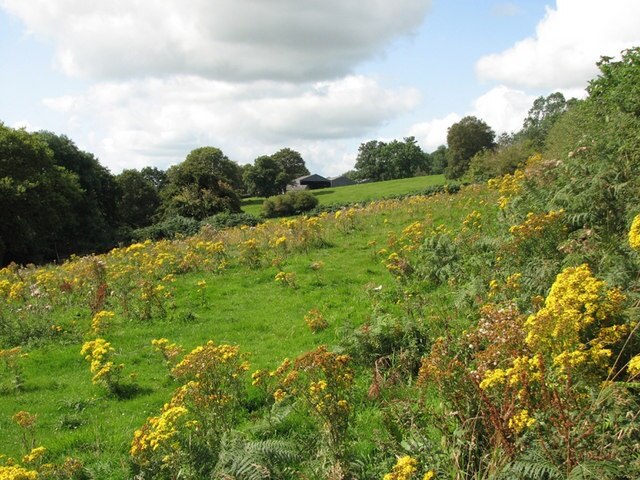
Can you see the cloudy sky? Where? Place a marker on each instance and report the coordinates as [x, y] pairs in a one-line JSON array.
[[143, 82]]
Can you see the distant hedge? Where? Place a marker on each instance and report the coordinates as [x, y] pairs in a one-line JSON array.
[[291, 203]]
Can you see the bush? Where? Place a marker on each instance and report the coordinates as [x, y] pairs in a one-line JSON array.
[[168, 228], [290, 203], [226, 220]]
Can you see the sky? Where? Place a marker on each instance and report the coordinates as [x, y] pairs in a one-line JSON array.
[[143, 82]]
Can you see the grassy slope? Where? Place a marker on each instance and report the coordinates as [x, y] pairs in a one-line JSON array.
[[242, 306], [359, 193]]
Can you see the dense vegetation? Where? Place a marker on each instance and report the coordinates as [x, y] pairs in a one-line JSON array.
[[490, 333]]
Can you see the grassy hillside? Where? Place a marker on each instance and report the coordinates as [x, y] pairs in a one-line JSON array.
[[488, 334], [359, 193], [338, 266]]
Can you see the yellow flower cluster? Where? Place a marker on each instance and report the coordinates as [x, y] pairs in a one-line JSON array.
[[577, 303], [158, 432], [315, 320], [473, 221], [100, 321], [34, 455], [98, 353], [509, 186], [170, 351], [634, 233], [15, 472], [536, 226], [404, 469], [634, 366], [521, 421]]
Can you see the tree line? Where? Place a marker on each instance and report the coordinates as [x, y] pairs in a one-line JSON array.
[[57, 200]]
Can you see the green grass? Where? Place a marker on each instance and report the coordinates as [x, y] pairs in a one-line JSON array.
[[241, 306], [359, 193]]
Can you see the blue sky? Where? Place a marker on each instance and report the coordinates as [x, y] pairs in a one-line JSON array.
[[143, 83]]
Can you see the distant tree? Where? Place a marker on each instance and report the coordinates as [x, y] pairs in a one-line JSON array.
[[39, 200], [405, 159], [292, 163], [439, 160], [156, 176], [370, 163], [386, 161], [202, 185], [464, 139], [96, 214], [270, 175], [544, 113], [266, 177], [139, 198]]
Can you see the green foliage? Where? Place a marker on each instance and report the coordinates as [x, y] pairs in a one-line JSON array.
[[170, 227], [288, 204], [543, 114], [464, 139], [266, 177], [139, 199], [270, 175], [228, 220], [387, 161], [37, 197], [202, 185], [505, 158]]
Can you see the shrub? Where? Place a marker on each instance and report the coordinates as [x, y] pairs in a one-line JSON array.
[[169, 228], [226, 219], [290, 203]]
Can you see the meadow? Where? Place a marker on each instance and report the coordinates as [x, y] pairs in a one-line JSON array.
[[364, 192], [233, 298]]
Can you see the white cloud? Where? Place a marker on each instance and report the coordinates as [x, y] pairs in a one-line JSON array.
[[502, 108], [430, 135], [158, 121], [568, 42], [223, 39]]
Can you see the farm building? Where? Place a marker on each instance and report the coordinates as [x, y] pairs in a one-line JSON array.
[[341, 181], [310, 182]]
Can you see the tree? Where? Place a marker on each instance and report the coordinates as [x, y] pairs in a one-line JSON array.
[[202, 185], [156, 176], [139, 198], [39, 200], [266, 177], [439, 160], [543, 114], [270, 175], [466, 138], [96, 214], [386, 161], [370, 164], [292, 163]]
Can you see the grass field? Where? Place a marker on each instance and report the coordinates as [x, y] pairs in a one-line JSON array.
[[240, 306], [359, 193]]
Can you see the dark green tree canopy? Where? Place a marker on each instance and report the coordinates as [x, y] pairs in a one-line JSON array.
[[270, 175], [439, 160], [97, 213], [40, 200], [139, 198], [292, 163], [202, 185], [464, 139], [543, 114], [387, 161], [266, 177]]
